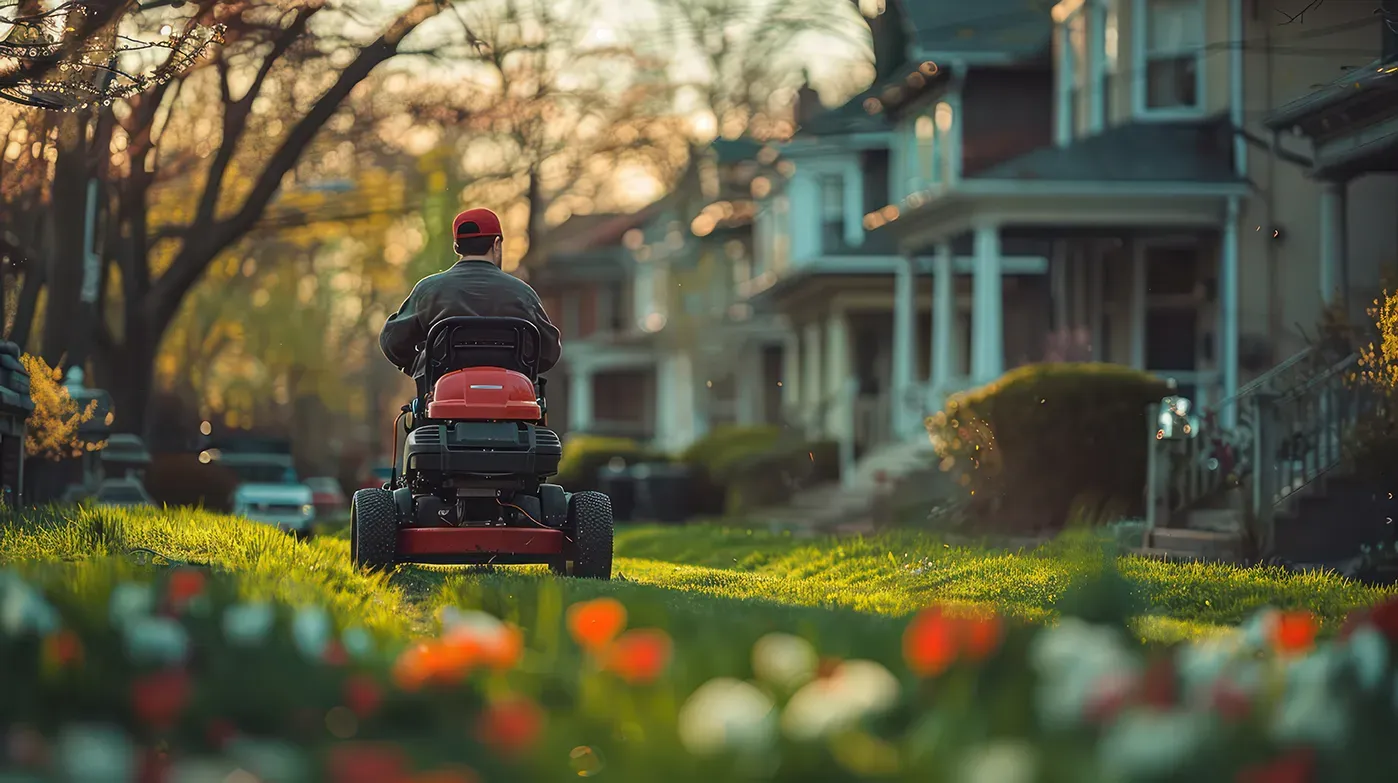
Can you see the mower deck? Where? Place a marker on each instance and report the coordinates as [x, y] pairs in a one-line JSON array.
[[480, 545]]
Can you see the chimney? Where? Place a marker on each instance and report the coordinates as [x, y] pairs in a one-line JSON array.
[[808, 103], [1388, 29]]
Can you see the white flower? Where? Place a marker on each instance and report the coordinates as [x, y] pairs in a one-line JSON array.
[[1258, 630], [1309, 711], [1073, 659], [470, 623], [357, 642], [784, 660], [1004, 761], [248, 624], [269, 759], [156, 640], [311, 630], [1201, 662], [24, 610], [1368, 653], [725, 713], [128, 602], [95, 754], [1151, 743], [855, 690]]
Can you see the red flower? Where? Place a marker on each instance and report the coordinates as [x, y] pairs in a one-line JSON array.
[[510, 725], [184, 584], [1158, 684], [364, 762], [594, 624], [219, 732], [63, 648], [362, 695], [1385, 618], [929, 643], [158, 699], [1297, 766], [640, 656], [447, 775], [1294, 632], [335, 654], [1230, 702], [153, 766]]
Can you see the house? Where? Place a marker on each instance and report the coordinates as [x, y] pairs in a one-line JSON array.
[[1096, 167], [960, 89], [658, 347]]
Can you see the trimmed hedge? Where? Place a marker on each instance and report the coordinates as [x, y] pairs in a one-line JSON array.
[[713, 458], [771, 478], [182, 480], [585, 455], [1049, 442]]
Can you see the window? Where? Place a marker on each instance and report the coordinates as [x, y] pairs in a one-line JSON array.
[[1172, 74], [832, 210], [1111, 53], [946, 150], [1072, 67], [925, 132]]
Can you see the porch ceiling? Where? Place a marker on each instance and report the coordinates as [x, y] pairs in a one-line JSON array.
[[1067, 206]]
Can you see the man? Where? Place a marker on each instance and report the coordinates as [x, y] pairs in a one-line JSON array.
[[475, 285]]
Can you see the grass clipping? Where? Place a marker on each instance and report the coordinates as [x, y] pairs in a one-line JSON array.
[[54, 424]]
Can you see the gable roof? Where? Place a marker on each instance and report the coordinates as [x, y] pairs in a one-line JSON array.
[[1020, 29]]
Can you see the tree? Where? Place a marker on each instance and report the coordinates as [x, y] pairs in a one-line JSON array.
[[235, 130]]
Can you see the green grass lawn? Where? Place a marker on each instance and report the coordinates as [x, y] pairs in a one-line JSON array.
[[706, 572]]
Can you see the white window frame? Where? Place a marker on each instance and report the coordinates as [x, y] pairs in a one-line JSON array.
[[1066, 81], [1140, 35]]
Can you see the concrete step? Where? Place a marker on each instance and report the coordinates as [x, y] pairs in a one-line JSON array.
[[1203, 544], [1215, 520]]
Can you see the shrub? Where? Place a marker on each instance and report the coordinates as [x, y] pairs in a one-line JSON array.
[[584, 455], [182, 480], [1373, 448], [1048, 440], [713, 458], [56, 419], [772, 477]]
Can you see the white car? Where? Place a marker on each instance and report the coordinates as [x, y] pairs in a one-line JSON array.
[[290, 507]]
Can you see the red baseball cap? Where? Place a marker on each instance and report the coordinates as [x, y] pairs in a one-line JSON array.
[[476, 223]]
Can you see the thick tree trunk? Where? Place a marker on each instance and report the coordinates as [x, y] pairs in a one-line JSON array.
[[127, 372], [65, 247]]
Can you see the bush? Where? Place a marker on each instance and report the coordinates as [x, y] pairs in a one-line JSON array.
[[584, 455], [713, 458], [1047, 441], [772, 477]]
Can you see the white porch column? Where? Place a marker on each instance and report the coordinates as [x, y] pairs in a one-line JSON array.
[[943, 322], [675, 402], [840, 414], [904, 345], [791, 374], [1228, 311], [1138, 304], [580, 397], [854, 203], [813, 396], [1332, 240], [988, 328]]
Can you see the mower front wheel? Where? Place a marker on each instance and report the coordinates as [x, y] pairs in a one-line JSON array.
[[373, 529], [590, 521]]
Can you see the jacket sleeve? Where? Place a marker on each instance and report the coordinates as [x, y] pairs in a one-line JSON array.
[[550, 339], [402, 333]]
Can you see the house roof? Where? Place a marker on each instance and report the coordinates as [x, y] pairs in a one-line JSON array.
[[1015, 28], [848, 118], [1377, 79], [1197, 151]]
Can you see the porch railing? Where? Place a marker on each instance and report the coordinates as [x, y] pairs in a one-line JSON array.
[[1291, 422]]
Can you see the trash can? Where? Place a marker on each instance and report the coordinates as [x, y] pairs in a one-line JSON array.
[[661, 492], [617, 483]]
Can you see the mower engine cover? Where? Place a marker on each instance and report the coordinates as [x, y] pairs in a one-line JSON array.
[[484, 394]]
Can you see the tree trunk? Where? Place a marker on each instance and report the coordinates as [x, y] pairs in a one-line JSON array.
[[65, 248], [127, 373]]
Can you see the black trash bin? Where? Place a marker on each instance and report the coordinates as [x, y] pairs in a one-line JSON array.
[[617, 483], [662, 492]]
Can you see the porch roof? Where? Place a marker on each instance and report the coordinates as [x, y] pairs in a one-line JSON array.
[[1184, 151], [1310, 112], [1353, 122], [1009, 28]]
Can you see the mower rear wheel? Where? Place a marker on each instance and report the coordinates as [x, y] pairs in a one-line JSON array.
[[373, 529], [590, 520]]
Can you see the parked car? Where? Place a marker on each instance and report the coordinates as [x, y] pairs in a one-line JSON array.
[[128, 492], [290, 507], [377, 477], [327, 496]]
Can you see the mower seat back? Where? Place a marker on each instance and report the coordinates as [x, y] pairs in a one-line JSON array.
[[465, 342], [484, 394]]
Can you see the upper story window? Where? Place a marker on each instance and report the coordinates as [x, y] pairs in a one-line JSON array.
[[832, 210], [1071, 74], [1170, 46]]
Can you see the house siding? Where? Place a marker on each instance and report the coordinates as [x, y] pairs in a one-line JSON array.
[[1004, 114]]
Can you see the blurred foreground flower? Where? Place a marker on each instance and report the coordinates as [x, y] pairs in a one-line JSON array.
[[1294, 632], [95, 754], [784, 660], [482, 638], [727, 714], [510, 725], [1079, 663], [311, 629], [1151, 743], [934, 640], [1006, 761], [184, 585], [156, 640], [159, 699], [130, 601], [639, 656], [24, 610], [594, 624], [854, 690], [366, 762], [248, 624]]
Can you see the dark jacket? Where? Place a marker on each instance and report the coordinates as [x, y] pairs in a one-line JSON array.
[[471, 287]]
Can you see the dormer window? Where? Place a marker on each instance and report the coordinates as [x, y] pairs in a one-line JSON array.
[[832, 220]]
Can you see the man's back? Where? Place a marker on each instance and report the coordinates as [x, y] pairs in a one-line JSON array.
[[469, 288]]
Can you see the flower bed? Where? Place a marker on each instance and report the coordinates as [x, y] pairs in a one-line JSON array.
[[115, 672]]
